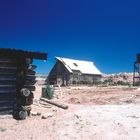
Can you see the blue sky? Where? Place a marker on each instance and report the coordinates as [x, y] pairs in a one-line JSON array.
[[106, 32]]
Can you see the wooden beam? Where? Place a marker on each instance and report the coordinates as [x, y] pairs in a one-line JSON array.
[[13, 53], [54, 103]]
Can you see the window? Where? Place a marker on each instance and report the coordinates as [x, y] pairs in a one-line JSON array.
[[75, 64]]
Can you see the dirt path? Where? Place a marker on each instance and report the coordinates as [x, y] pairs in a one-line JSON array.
[[111, 113], [105, 122]]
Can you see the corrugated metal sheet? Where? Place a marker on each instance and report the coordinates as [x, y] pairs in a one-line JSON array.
[[85, 67]]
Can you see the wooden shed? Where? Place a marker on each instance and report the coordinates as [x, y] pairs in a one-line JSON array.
[[17, 81], [69, 71]]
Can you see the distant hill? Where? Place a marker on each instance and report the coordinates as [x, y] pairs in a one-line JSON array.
[[41, 79], [118, 78], [41, 75]]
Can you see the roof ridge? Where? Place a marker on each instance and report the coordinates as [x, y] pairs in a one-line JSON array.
[[74, 59]]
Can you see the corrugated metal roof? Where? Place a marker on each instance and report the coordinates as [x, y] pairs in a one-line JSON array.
[[85, 67]]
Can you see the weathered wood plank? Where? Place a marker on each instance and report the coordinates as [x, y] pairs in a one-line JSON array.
[[54, 103], [14, 53]]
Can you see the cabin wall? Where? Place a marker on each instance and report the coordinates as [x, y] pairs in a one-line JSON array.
[[84, 79], [17, 81]]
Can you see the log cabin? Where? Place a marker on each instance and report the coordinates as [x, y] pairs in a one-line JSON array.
[[17, 81]]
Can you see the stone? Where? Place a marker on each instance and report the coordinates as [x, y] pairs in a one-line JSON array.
[[48, 115], [33, 113], [38, 114]]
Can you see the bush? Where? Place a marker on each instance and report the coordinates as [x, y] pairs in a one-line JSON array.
[[123, 83], [108, 82]]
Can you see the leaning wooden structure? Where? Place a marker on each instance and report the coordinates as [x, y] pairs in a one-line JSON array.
[[136, 76], [17, 80]]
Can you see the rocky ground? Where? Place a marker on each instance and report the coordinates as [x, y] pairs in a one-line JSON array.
[[95, 113]]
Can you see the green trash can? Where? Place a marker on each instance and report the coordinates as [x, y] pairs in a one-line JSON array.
[[48, 92]]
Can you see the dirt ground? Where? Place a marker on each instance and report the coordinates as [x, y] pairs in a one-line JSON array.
[[94, 113]]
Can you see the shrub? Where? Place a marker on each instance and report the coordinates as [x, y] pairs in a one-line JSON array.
[[123, 83]]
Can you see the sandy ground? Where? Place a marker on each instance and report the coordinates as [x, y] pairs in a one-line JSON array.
[[95, 113]]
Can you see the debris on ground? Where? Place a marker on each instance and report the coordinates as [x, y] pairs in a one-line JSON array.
[[47, 115]]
